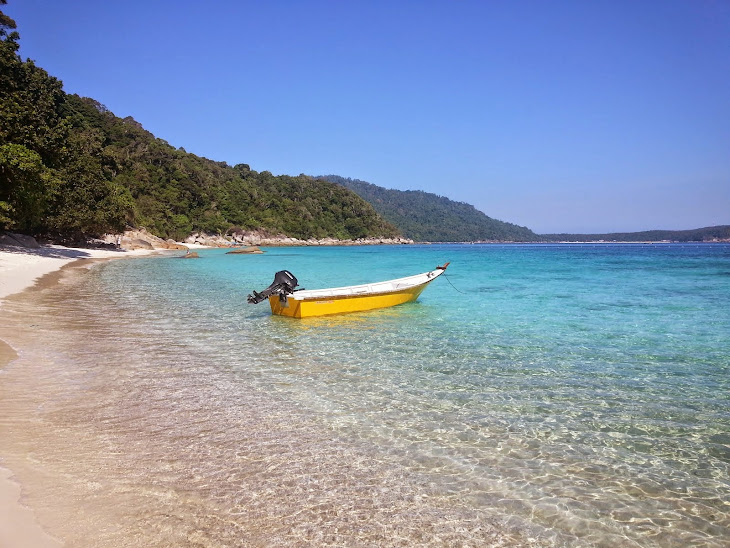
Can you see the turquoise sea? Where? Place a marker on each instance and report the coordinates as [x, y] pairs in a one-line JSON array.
[[568, 395]]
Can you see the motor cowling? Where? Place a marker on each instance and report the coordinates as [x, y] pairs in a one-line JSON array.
[[283, 284]]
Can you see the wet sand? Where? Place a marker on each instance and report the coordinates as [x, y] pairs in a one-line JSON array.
[[18, 524], [20, 269]]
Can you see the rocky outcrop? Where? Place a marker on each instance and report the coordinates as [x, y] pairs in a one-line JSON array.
[[263, 238], [172, 244], [19, 240], [209, 240], [191, 255], [136, 243], [141, 239]]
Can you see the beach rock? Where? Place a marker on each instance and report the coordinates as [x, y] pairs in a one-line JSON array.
[[209, 240], [254, 238], [191, 255], [134, 238], [250, 250], [19, 240], [7, 239], [172, 244], [264, 238], [136, 243]]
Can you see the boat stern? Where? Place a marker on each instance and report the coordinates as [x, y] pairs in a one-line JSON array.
[[285, 306]]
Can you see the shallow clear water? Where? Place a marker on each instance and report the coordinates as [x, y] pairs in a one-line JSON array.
[[537, 394]]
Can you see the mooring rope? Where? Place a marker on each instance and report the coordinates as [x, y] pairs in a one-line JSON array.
[[452, 285]]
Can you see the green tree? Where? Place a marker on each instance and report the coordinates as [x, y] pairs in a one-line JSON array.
[[32, 135], [24, 184], [6, 23], [85, 200], [30, 105]]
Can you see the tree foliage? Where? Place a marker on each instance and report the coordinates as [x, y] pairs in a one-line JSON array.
[[22, 203]]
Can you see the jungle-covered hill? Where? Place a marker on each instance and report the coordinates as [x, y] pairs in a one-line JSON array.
[[423, 216], [70, 166]]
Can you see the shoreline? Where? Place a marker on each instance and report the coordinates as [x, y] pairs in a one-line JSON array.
[[18, 523], [22, 268]]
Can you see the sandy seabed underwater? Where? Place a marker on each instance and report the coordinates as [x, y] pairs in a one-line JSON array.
[[540, 395]]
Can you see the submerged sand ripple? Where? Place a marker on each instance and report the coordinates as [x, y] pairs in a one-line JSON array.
[[121, 440]]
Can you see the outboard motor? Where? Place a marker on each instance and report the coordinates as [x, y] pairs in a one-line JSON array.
[[284, 283]]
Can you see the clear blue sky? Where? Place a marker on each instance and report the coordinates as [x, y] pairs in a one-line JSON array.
[[563, 116]]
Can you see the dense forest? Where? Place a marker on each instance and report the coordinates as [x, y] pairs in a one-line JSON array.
[[708, 234], [423, 216], [69, 166]]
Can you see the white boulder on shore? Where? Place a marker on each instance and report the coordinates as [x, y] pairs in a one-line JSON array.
[[140, 239]]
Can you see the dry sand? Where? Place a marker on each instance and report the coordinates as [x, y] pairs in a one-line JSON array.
[[20, 268]]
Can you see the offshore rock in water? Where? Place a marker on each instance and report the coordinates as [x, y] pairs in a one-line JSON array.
[[191, 255], [250, 250]]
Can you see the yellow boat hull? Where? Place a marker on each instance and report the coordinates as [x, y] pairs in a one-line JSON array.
[[309, 308]]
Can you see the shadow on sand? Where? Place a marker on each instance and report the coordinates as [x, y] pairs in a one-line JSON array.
[[53, 252]]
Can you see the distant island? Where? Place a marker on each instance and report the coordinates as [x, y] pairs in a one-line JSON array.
[[708, 234]]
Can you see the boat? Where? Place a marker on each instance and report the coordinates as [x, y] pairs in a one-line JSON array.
[[286, 300]]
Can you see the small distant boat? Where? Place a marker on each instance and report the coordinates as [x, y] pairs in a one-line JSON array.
[[285, 300]]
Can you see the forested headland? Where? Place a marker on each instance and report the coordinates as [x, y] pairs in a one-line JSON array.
[[423, 216], [70, 166]]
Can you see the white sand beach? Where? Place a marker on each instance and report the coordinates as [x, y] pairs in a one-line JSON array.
[[20, 268]]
